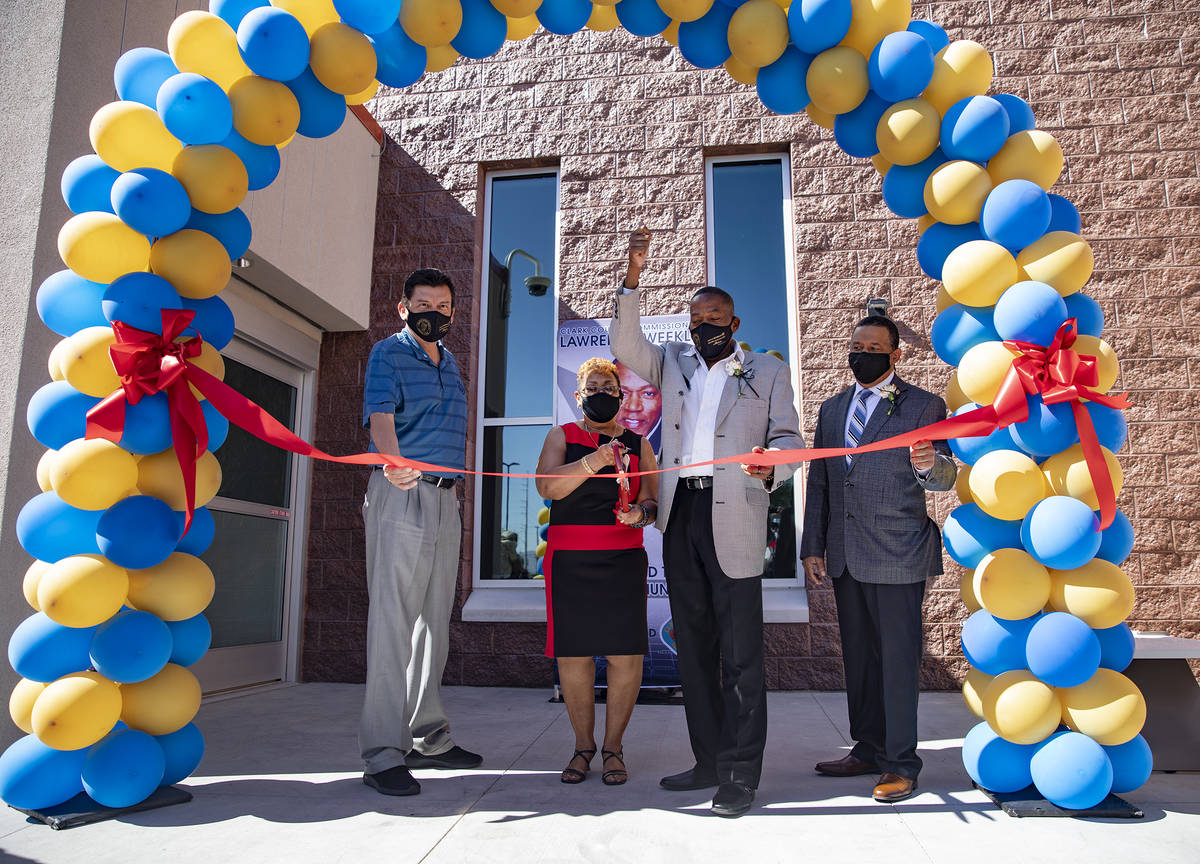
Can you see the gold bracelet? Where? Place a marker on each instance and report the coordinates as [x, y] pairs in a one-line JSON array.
[[586, 467]]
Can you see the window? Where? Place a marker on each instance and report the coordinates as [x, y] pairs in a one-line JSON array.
[[517, 348]]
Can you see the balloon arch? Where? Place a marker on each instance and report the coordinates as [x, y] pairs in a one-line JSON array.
[[106, 697]]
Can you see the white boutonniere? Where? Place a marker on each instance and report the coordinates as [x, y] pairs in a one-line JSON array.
[[890, 392], [735, 369]]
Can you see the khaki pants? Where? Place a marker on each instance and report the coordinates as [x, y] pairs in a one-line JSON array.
[[413, 540]]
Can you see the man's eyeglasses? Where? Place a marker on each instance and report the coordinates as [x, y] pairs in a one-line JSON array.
[[610, 389]]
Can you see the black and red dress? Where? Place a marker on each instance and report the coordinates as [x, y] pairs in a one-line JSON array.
[[595, 567]]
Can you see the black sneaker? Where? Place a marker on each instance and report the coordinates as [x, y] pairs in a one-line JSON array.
[[393, 781], [454, 758]]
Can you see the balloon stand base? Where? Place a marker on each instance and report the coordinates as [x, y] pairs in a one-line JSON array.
[[1028, 802], [82, 810]]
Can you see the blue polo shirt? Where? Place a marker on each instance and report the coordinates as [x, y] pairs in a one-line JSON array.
[[429, 402]]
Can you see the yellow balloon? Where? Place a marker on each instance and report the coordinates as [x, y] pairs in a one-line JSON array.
[[977, 272], [1107, 707], [956, 190], [1108, 367], [603, 18], [1006, 484], [128, 135], [1061, 259], [972, 689], [159, 475], [287, 142], [432, 23], [923, 222], [522, 28], [961, 69], [342, 58], [908, 132], [93, 474], [822, 118], [516, 8], [76, 711], [43, 471], [82, 590], [543, 516], [955, 397], [1067, 473], [966, 592], [20, 703], [541, 549], [1031, 155], [203, 43], [439, 57], [944, 301], [874, 19], [179, 588], [1099, 592], [758, 33], [740, 72], [194, 262], [837, 77], [671, 34], [982, 369], [162, 704], [1011, 584], [962, 485], [312, 14], [264, 111], [53, 363], [685, 10], [86, 363], [211, 361], [364, 95], [214, 177], [100, 247], [29, 585], [1020, 708], [880, 164]]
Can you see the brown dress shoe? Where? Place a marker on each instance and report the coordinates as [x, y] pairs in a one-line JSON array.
[[893, 787], [847, 766]]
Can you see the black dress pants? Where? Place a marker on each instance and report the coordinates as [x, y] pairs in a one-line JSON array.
[[719, 635], [881, 651]]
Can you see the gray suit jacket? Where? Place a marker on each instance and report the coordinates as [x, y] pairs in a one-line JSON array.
[[744, 421], [871, 518]]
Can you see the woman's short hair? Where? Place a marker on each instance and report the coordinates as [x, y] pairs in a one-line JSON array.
[[596, 364]]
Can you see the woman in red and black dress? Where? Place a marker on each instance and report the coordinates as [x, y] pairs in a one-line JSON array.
[[595, 565]]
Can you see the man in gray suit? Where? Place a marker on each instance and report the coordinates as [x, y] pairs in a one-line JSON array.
[[866, 523], [716, 401]]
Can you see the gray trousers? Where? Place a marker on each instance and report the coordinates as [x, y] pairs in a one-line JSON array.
[[413, 540]]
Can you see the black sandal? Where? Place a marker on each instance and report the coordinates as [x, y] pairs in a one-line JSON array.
[[616, 776], [574, 775]]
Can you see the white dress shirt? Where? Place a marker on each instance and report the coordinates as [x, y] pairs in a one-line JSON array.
[[700, 404], [871, 404]]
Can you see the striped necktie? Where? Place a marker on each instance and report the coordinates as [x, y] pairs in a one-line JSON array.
[[858, 422]]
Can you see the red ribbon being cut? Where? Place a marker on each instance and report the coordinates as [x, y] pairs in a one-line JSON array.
[[149, 363]]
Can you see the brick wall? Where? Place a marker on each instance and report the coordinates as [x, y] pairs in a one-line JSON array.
[[629, 123]]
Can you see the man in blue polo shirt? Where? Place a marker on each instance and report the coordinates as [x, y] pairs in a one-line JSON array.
[[415, 405]]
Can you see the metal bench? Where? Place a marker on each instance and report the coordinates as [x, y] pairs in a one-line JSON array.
[[1160, 669]]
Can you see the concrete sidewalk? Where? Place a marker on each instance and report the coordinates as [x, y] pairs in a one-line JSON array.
[[281, 782]]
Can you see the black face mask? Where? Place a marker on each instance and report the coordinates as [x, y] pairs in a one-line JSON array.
[[868, 366], [430, 325], [711, 339], [601, 407]]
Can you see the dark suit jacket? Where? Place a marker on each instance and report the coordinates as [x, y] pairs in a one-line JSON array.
[[871, 518]]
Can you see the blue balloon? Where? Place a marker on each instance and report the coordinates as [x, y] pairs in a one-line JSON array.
[[370, 16], [1063, 215], [734, 3], [1062, 650], [131, 646], [191, 638], [705, 44], [1015, 213], [1062, 533], [819, 24], [321, 110], [42, 650], [564, 17], [66, 303], [1020, 115], [1116, 647], [1088, 315], [49, 529], [183, 748], [213, 322], [1116, 541], [140, 72], [854, 131], [200, 536], [901, 66], [261, 161], [232, 229], [194, 109], [36, 777], [969, 449], [87, 184], [151, 202], [957, 329], [273, 43], [483, 30], [138, 299], [969, 534], [904, 186], [138, 532], [642, 17], [939, 240], [974, 129], [401, 61], [123, 768], [995, 764], [1110, 425], [931, 33], [218, 426], [781, 86], [1050, 429], [1072, 771], [1029, 311], [147, 425], [994, 645], [544, 532], [57, 413], [233, 11], [1131, 762]]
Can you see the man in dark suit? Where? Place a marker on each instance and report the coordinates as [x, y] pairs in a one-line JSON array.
[[866, 525]]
